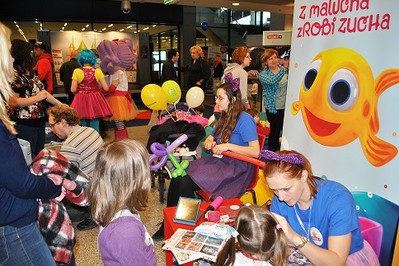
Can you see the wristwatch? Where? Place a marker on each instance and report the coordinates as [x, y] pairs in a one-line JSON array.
[[304, 240]]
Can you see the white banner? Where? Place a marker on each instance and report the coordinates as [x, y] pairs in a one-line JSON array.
[[342, 107]]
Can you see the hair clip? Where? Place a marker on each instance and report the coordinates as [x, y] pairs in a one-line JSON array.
[[288, 158], [235, 82]]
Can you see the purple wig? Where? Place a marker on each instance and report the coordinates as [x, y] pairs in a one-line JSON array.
[[116, 53]]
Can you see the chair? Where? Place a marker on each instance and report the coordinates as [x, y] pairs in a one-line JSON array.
[[372, 233], [250, 189], [383, 212]]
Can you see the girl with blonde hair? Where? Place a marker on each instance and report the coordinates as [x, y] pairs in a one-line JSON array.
[[19, 188], [199, 71], [118, 191]]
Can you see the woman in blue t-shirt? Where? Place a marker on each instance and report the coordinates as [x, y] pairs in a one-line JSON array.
[[318, 216]]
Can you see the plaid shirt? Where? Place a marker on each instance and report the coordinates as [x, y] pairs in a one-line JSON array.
[[54, 222]]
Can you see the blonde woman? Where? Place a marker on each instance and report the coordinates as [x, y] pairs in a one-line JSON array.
[[199, 71], [118, 191], [19, 188]]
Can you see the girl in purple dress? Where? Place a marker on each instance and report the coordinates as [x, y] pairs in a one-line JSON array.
[[118, 191]]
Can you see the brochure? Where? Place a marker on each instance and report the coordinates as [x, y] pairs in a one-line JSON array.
[[188, 246]]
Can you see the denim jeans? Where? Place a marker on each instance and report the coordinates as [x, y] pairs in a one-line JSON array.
[[24, 246]]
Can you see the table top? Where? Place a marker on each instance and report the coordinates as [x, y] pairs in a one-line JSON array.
[[169, 214]]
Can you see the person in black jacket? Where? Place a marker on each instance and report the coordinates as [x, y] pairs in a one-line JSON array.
[[217, 67], [168, 68], [66, 72], [199, 71]]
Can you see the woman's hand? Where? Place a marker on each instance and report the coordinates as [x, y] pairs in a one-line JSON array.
[[292, 236], [209, 145], [218, 149], [61, 196], [57, 179], [68, 184]]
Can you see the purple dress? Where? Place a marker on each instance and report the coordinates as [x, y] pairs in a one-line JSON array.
[[226, 177], [125, 241]]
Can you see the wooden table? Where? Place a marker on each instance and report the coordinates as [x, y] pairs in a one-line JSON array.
[[171, 227]]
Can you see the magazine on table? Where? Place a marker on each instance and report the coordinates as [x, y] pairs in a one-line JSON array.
[[189, 245]]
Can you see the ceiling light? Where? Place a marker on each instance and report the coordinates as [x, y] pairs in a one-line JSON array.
[[235, 4]]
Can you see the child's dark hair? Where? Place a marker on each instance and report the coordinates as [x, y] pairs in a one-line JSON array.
[[252, 111], [258, 236]]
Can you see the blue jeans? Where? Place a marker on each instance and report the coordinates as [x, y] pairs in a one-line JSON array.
[[24, 246]]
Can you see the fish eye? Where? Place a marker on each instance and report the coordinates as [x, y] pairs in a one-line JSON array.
[[311, 74], [343, 90]]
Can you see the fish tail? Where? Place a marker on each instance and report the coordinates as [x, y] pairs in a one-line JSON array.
[[377, 151], [385, 80]]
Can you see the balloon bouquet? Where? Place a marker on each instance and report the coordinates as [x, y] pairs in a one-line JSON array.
[[157, 98]]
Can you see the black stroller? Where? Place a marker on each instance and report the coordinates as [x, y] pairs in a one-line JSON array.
[[167, 133]]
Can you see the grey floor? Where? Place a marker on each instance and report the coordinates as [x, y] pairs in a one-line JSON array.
[[86, 250]]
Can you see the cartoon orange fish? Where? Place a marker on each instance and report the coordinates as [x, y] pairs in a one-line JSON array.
[[339, 102]]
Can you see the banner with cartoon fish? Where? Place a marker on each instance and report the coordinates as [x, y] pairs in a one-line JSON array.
[[342, 107]]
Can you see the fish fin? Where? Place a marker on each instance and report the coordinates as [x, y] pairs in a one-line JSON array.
[[385, 80], [377, 151], [295, 107]]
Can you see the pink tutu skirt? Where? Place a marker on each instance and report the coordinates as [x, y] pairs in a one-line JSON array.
[[91, 105]]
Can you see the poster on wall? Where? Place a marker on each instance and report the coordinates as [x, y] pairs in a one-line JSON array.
[[341, 107], [57, 61]]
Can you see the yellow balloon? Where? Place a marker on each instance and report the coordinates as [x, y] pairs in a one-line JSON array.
[[194, 97], [153, 97], [172, 91]]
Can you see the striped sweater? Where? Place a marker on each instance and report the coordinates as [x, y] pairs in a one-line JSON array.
[[81, 148]]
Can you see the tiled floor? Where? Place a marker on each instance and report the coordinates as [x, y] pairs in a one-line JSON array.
[[86, 250]]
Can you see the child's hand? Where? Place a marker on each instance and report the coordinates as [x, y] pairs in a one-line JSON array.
[[115, 82]]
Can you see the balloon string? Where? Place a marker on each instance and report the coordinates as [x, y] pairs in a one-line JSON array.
[[170, 115], [186, 113]]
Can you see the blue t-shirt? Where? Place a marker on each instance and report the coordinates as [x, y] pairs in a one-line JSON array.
[[244, 131], [333, 213]]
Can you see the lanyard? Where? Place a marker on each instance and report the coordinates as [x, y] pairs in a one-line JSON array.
[[307, 232]]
